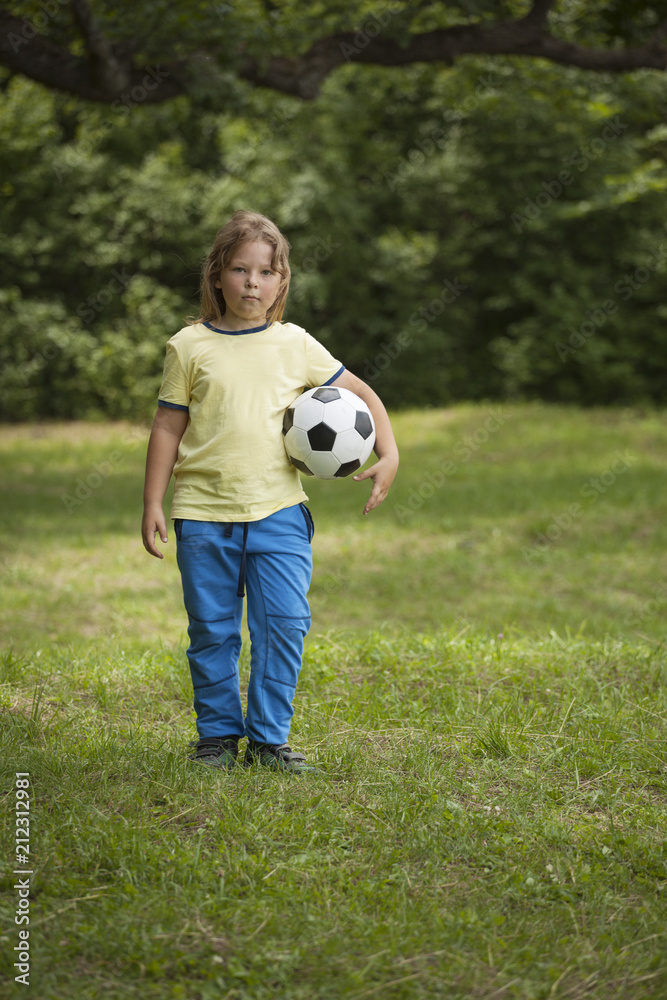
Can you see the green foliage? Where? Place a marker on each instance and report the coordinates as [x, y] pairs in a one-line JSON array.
[[488, 231]]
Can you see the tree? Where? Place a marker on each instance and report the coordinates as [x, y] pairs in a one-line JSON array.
[[489, 231], [120, 52]]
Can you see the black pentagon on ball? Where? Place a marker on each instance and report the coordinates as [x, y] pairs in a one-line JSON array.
[[326, 394], [363, 425], [347, 467], [288, 419], [301, 466], [321, 437]]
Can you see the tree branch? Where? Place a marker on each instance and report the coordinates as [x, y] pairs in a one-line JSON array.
[[104, 75], [303, 75], [105, 69], [539, 11], [25, 51], [659, 34]]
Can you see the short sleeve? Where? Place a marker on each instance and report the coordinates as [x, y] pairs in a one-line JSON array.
[[321, 366], [175, 389]]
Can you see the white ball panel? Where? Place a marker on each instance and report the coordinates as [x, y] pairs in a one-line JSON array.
[[348, 446], [352, 398], [323, 464], [297, 443], [339, 414], [308, 413]]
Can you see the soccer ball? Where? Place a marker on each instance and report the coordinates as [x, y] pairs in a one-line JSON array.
[[328, 432]]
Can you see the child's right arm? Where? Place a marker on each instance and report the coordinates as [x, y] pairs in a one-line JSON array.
[[168, 429]]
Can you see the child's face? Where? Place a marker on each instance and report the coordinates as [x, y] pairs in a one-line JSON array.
[[249, 285]]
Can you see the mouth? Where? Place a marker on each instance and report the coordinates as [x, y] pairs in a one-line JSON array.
[[250, 298]]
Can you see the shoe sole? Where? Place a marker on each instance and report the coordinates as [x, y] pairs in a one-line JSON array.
[[269, 763], [217, 763]]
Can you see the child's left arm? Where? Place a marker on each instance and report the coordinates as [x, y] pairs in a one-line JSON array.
[[383, 471]]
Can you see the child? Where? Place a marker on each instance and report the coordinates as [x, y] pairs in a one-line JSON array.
[[238, 510]]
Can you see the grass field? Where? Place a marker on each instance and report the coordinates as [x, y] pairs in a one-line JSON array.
[[483, 690], [546, 518]]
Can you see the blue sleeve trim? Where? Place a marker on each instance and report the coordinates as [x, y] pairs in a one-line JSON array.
[[173, 406], [334, 377]]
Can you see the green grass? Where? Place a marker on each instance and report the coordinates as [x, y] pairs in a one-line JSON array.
[[487, 710], [489, 822], [474, 550]]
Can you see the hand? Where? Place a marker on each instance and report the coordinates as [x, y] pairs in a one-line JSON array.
[[382, 474], [153, 522]]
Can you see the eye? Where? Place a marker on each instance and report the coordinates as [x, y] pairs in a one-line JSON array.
[[267, 271]]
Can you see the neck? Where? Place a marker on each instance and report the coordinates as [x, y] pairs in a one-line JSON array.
[[235, 323]]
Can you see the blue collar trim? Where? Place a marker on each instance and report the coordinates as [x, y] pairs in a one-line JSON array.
[[236, 333]]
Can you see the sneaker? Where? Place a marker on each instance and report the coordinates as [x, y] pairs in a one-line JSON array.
[[277, 758], [216, 751]]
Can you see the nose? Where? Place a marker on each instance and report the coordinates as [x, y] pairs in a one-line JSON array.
[[251, 280]]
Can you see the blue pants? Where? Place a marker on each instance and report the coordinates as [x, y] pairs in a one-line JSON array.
[[273, 558]]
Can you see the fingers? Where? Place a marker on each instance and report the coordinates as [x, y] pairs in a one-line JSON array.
[[150, 546], [378, 493], [148, 533], [375, 499], [365, 475], [382, 474]]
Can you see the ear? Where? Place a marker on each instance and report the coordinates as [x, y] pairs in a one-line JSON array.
[[218, 285]]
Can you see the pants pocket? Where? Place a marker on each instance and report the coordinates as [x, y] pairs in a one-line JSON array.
[[310, 524]]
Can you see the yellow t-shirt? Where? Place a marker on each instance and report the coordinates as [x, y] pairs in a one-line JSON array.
[[232, 464]]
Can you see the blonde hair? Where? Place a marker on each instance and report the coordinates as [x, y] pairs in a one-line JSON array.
[[243, 227]]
